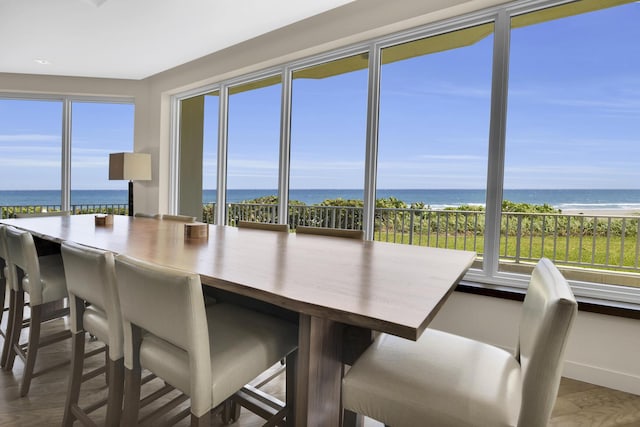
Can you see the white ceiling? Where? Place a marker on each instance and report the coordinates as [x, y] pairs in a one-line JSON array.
[[134, 39]]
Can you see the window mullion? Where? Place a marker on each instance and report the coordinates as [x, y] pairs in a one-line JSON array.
[[223, 143], [285, 148], [371, 151], [65, 201], [497, 137]]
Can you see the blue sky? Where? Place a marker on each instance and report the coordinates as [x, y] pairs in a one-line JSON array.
[[573, 120]]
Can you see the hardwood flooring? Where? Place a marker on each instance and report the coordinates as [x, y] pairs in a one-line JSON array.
[[579, 404]]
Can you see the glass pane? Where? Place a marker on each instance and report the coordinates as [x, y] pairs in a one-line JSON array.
[[98, 129], [253, 151], [435, 98], [30, 153], [210, 154], [573, 143], [328, 138]]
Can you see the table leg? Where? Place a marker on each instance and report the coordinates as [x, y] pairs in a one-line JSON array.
[[319, 379]]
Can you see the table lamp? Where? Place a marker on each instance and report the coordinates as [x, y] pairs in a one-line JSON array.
[[131, 167]]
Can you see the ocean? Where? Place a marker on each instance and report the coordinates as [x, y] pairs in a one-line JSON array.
[[436, 199]]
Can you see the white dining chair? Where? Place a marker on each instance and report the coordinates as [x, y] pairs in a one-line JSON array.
[[95, 309], [447, 380], [42, 278], [41, 214], [146, 215], [5, 285], [208, 353], [263, 226], [331, 232], [181, 218]]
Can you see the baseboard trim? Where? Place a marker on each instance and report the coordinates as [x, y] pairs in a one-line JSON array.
[[603, 377]]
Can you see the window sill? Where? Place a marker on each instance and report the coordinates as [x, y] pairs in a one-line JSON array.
[[610, 308]]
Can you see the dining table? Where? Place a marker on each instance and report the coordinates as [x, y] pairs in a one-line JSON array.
[[331, 284]]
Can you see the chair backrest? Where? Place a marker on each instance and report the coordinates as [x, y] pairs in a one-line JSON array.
[[91, 276], [182, 218], [4, 260], [37, 214], [169, 304], [23, 263], [334, 232], [263, 226], [146, 215], [547, 316]]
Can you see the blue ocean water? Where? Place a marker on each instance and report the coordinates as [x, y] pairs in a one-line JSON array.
[[561, 199]]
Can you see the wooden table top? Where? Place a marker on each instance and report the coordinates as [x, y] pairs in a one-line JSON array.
[[388, 287]]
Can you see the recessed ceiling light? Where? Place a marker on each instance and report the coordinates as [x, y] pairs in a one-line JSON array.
[[42, 61]]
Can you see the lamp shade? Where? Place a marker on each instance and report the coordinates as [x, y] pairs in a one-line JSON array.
[[130, 166]]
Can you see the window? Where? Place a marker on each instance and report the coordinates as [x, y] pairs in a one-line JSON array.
[[435, 98], [328, 136], [572, 141], [438, 119], [252, 151], [31, 152], [98, 129], [36, 134], [210, 154]]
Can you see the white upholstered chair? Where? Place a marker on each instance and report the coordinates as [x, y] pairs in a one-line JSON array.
[[181, 218], [263, 226], [332, 232], [95, 309], [42, 278], [5, 284], [146, 215], [447, 380], [38, 214], [208, 353]]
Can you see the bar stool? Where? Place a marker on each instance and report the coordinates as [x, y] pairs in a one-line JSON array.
[[332, 232], [95, 308], [448, 380], [263, 226], [207, 353], [43, 279], [4, 284], [181, 218]]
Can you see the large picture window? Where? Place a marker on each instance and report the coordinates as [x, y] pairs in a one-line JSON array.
[[512, 132]]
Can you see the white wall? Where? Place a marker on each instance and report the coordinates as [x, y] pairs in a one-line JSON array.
[[602, 349]]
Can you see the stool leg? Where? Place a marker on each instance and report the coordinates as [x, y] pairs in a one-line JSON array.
[[3, 292], [75, 378], [131, 396], [9, 331], [32, 351], [16, 328], [203, 421], [116, 389]]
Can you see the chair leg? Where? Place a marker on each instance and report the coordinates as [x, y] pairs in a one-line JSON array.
[[290, 384], [75, 378], [203, 421], [3, 294], [9, 331], [131, 396], [116, 389], [107, 365], [16, 329], [32, 351]]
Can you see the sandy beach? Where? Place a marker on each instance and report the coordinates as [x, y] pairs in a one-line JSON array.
[[602, 212]]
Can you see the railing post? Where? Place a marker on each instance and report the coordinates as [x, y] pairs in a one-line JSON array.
[[411, 220], [518, 238]]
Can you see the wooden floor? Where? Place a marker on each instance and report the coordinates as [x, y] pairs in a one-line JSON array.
[[579, 404]]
